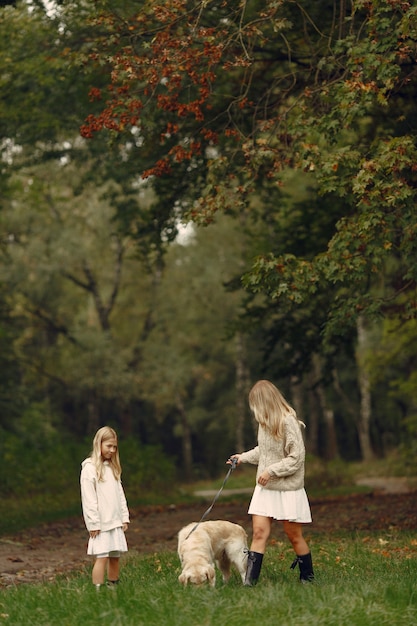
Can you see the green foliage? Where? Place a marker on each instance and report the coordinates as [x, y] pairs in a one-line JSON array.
[[391, 363], [43, 92], [189, 356], [30, 456], [39, 473], [30, 459], [308, 142], [10, 390], [360, 581], [323, 105], [148, 472], [332, 477]]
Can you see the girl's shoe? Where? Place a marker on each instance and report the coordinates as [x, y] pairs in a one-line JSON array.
[[112, 584]]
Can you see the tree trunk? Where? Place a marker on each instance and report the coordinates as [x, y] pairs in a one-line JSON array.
[[126, 425], [331, 450], [312, 434], [242, 389], [93, 413], [186, 441], [297, 396], [365, 413], [300, 398]]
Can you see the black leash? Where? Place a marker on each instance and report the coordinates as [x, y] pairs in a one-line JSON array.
[[232, 467]]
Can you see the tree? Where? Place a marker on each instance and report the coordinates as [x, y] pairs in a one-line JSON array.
[[391, 365], [45, 96], [67, 268], [85, 199], [196, 109], [244, 99], [193, 353], [11, 400], [240, 84]]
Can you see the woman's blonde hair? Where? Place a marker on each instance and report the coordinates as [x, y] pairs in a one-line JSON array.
[[270, 407], [103, 434]]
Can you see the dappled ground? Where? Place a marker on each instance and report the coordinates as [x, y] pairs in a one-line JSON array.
[[42, 553]]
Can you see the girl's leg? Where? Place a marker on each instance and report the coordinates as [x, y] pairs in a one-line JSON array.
[[261, 529], [99, 569], [294, 532], [113, 569]]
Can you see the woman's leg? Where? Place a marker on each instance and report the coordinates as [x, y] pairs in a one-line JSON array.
[[99, 570], [261, 529], [294, 532], [113, 569]]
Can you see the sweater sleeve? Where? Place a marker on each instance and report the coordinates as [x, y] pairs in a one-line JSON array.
[[251, 456], [123, 504], [89, 498], [293, 449]]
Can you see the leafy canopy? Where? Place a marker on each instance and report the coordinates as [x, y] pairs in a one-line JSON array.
[[243, 92]]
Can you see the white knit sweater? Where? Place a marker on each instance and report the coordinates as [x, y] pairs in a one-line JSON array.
[[103, 502], [283, 458]]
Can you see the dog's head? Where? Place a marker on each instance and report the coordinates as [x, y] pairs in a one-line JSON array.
[[198, 575]]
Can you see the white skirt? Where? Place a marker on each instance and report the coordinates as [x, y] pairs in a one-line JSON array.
[[292, 506], [108, 543]]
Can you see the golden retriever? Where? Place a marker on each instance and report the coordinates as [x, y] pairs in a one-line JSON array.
[[216, 542]]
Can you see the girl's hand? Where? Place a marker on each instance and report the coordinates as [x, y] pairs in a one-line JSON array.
[[94, 533], [125, 526], [233, 457], [264, 477]]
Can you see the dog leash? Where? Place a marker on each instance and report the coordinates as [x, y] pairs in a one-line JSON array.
[[226, 478]]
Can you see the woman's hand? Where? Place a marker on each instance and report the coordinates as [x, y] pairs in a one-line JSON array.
[[94, 533], [264, 477], [125, 526]]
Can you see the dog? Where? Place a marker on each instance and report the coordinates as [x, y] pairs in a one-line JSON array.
[[215, 542]]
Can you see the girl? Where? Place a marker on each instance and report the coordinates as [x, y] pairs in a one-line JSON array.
[[104, 506], [279, 493]]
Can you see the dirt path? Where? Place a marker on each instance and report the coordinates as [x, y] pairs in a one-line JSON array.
[[42, 553]]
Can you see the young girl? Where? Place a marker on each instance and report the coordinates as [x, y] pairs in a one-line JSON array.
[[104, 506], [279, 493]]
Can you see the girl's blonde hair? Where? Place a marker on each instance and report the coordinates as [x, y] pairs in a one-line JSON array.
[[103, 434], [270, 407]]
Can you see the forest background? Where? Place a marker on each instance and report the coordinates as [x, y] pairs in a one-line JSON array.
[[196, 195]]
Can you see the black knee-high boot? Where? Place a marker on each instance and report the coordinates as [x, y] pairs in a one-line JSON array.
[[305, 564], [254, 568]]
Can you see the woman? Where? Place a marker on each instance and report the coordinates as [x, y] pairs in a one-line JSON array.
[[279, 493]]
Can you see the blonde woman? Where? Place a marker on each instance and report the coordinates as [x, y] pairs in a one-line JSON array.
[[279, 493], [104, 507]]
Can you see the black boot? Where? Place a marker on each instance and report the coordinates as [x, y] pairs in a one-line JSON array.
[[253, 568], [305, 564]]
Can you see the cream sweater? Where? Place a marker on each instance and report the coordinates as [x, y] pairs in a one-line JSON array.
[[103, 501], [283, 458]]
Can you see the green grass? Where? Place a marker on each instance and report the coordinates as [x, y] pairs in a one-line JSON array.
[[361, 580]]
